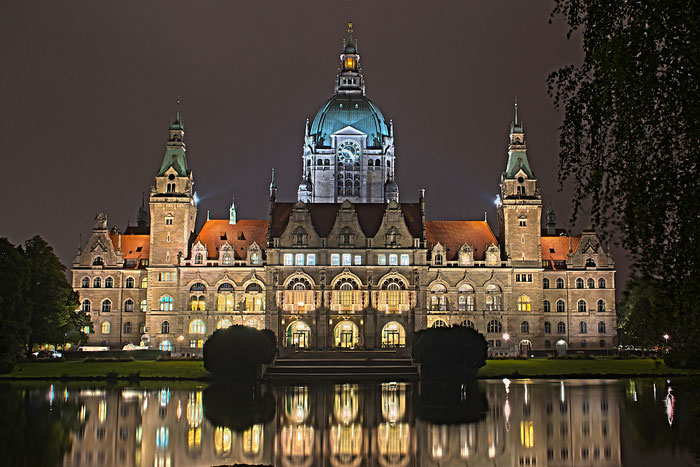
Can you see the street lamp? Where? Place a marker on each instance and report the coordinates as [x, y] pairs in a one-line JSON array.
[[506, 336], [666, 336]]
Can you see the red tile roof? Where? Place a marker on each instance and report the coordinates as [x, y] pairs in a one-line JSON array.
[[240, 236], [556, 248], [323, 216], [453, 234], [135, 247]]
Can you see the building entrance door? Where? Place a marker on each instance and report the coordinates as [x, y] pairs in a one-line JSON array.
[[346, 339], [392, 338], [300, 339]]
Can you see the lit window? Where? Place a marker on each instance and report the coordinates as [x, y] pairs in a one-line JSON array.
[[381, 260], [288, 259], [162, 436], [524, 303], [404, 260], [299, 259], [311, 259], [197, 327], [144, 305], [105, 327], [335, 260], [223, 324], [358, 260], [347, 258], [226, 259], [393, 260], [165, 345], [255, 258], [166, 303], [144, 282]]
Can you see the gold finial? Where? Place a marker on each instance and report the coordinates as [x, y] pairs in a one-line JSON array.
[[350, 20]]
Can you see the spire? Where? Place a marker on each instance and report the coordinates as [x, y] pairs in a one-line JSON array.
[[175, 148], [142, 216], [516, 110], [273, 186], [517, 149], [551, 220], [350, 80], [232, 211]]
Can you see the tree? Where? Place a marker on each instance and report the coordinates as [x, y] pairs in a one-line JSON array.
[[238, 351], [450, 353], [54, 303], [630, 137], [15, 307]]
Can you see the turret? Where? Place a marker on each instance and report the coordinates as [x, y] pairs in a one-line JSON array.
[[551, 221], [350, 79], [232, 212]]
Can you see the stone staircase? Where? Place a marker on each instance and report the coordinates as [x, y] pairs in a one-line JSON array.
[[394, 365]]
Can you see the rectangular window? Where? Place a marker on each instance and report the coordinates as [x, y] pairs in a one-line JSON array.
[[347, 260], [299, 259], [404, 260], [358, 260], [311, 259], [335, 260], [498, 342], [288, 259], [193, 344], [381, 260], [393, 260]]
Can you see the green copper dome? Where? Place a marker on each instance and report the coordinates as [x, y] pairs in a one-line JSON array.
[[353, 110]]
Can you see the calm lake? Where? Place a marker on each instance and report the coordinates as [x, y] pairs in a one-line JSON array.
[[632, 422]]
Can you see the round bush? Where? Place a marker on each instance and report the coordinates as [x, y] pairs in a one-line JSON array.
[[238, 351], [453, 353]]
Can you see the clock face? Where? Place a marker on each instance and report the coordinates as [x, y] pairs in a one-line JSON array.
[[348, 152]]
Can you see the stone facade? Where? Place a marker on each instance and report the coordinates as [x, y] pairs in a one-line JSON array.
[[357, 270]]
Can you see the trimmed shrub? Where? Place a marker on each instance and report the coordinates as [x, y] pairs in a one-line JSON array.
[[238, 351], [449, 353], [238, 406]]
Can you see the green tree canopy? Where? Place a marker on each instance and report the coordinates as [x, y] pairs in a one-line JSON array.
[[15, 306]]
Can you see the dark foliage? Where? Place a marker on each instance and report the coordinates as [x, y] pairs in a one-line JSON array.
[[450, 402], [15, 306], [456, 353], [629, 145], [237, 406], [238, 351]]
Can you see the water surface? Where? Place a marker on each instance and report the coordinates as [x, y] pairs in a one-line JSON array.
[[633, 422]]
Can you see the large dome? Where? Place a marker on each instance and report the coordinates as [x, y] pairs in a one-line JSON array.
[[353, 110]]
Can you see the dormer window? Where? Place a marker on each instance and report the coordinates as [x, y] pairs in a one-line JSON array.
[[226, 259], [392, 237], [438, 260], [300, 237], [198, 258], [98, 261], [346, 237]]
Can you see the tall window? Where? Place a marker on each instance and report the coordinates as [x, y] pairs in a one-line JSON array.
[[493, 298], [198, 258], [579, 283], [601, 306], [106, 306], [197, 327], [546, 306], [601, 283], [109, 283], [165, 327], [166, 303], [97, 282], [144, 305], [438, 260], [310, 259], [85, 282], [561, 327], [601, 327], [85, 306], [591, 283], [198, 303], [524, 303], [547, 327], [288, 259], [299, 259], [128, 328], [582, 328], [129, 305], [381, 260], [129, 283], [560, 283], [582, 306], [525, 327], [393, 295], [226, 259], [545, 283], [144, 282], [561, 306], [105, 327], [254, 297], [494, 326]]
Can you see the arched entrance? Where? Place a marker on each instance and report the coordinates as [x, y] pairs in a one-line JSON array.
[[347, 335], [525, 347], [393, 335], [561, 347], [298, 335]]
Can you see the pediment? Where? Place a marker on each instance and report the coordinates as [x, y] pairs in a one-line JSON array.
[[349, 131]]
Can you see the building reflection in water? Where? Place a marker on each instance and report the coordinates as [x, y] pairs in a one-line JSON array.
[[527, 423]]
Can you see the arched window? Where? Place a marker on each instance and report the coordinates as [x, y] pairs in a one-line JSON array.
[[547, 344], [129, 305], [561, 306], [467, 324], [525, 327], [591, 283], [109, 283], [346, 295], [197, 327], [438, 260], [106, 327], [602, 343], [583, 344], [579, 283], [98, 261], [106, 306], [223, 324], [524, 303], [545, 283], [582, 328], [546, 306], [494, 326], [601, 327], [144, 305], [547, 327], [253, 288], [165, 345], [198, 287], [165, 327], [601, 306], [197, 303], [128, 328], [560, 283], [224, 301], [85, 282], [144, 282], [438, 323], [225, 288], [198, 258], [300, 236], [226, 259], [97, 282], [85, 306], [255, 258], [582, 306], [601, 283], [129, 283], [561, 327], [590, 263], [493, 297], [166, 303]]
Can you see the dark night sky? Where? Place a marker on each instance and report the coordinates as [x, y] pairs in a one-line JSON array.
[[87, 90]]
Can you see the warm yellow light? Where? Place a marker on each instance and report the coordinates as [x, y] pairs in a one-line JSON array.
[[349, 63]]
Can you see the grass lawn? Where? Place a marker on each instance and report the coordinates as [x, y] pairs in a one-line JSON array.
[[194, 370]]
